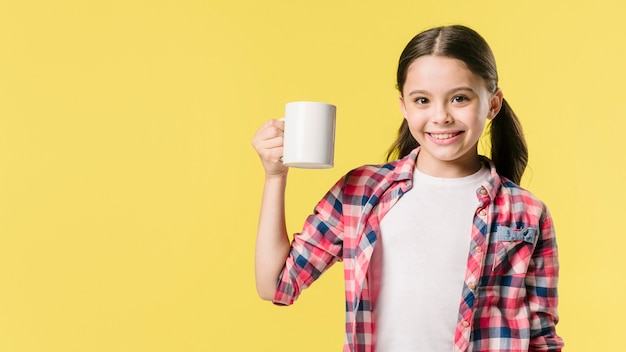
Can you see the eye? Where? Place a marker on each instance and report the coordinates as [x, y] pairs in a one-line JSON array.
[[459, 98], [421, 100]]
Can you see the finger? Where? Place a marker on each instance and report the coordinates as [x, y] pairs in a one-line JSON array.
[[278, 125], [269, 136], [271, 125], [270, 154], [272, 142], [267, 132], [260, 143], [273, 155]]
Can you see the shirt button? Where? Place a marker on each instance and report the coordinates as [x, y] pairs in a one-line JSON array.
[[472, 285], [465, 323], [479, 249], [482, 212], [483, 192]]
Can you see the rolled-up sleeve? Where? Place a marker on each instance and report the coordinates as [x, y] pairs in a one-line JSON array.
[[315, 249]]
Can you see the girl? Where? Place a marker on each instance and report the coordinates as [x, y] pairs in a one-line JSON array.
[[442, 250]]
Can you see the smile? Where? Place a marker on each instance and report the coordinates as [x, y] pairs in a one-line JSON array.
[[442, 136], [446, 138]]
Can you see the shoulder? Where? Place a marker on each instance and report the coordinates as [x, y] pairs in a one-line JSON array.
[[365, 172], [520, 199], [399, 169], [365, 179], [370, 177], [507, 193]]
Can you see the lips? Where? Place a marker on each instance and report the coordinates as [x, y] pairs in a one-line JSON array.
[[444, 136]]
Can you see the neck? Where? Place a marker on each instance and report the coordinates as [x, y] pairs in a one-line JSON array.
[[449, 169]]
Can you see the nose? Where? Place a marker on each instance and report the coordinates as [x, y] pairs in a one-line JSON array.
[[441, 115]]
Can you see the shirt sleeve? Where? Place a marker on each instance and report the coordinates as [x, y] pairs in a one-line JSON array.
[[541, 285], [315, 249]]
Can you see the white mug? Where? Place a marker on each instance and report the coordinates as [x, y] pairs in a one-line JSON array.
[[309, 139]]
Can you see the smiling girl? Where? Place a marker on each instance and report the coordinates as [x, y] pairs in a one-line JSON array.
[[442, 249]]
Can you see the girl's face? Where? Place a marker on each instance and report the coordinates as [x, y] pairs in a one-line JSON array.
[[446, 107]]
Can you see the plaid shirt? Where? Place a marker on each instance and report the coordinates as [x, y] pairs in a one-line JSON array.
[[509, 299]]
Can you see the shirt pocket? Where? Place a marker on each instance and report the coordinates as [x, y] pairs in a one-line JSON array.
[[513, 249]]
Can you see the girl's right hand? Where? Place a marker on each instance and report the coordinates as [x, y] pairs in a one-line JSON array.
[[268, 143]]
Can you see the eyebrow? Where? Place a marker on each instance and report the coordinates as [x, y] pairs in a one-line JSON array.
[[421, 91]]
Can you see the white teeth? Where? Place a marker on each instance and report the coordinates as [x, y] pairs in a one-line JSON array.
[[443, 135]]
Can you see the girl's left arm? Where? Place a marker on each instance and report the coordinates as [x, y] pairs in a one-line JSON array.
[[541, 285]]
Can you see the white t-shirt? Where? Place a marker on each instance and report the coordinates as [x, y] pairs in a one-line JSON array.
[[419, 262]]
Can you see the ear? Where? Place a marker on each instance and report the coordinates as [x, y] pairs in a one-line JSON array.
[[402, 107], [495, 104]]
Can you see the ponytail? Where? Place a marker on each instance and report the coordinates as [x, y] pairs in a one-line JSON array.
[[403, 145], [508, 146]]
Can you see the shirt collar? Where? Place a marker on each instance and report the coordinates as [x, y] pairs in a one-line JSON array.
[[494, 182], [403, 170]]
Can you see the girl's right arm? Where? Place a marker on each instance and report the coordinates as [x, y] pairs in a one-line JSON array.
[[272, 244]]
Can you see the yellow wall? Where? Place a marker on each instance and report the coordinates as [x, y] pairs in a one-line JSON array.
[[129, 190]]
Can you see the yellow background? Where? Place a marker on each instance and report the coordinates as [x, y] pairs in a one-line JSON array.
[[129, 191]]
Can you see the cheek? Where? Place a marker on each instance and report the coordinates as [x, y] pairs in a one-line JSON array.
[[415, 120], [477, 116], [413, 113], [416, 128], [480, 126]]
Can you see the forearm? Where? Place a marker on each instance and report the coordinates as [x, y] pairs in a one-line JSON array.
[[272, 244]]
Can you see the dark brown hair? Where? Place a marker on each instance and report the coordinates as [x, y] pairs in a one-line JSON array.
[[508, 146]]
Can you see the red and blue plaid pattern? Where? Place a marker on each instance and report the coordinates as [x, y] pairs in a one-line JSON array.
[[509, 299]]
